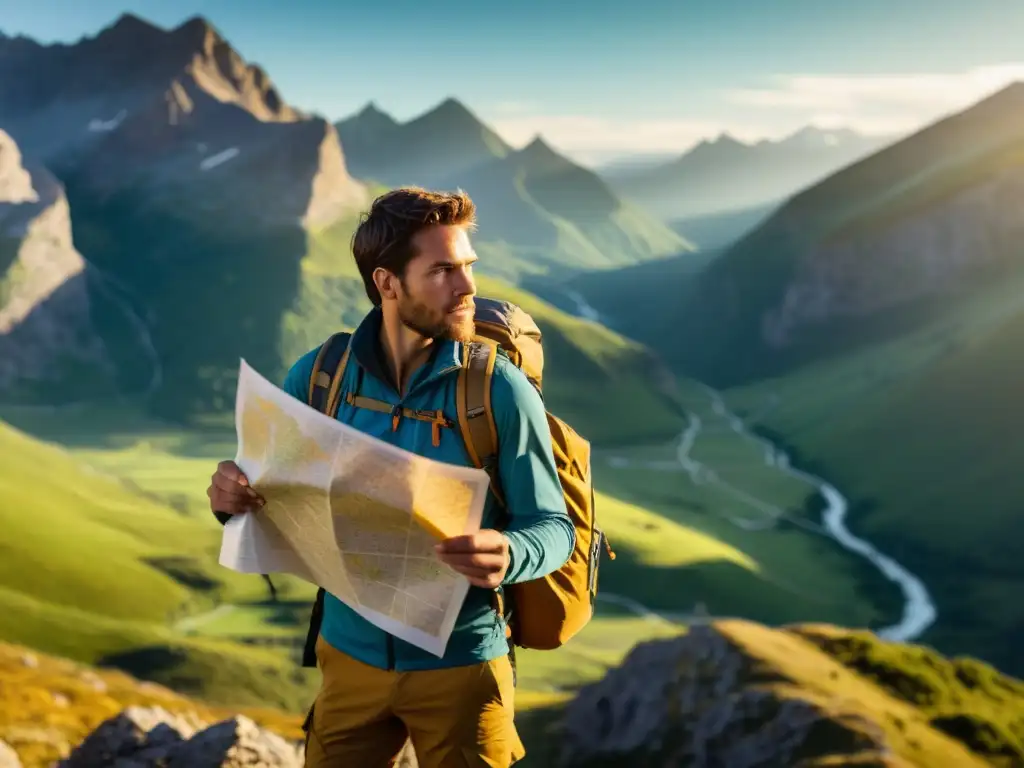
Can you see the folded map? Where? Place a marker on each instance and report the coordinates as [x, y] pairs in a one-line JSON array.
[[351, 513]]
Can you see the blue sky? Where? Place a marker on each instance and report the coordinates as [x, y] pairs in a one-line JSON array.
[[605, 78]]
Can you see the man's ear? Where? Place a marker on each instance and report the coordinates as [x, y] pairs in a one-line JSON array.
[[386, 282]]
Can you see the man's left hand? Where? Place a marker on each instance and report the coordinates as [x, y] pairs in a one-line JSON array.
[[481, 557]]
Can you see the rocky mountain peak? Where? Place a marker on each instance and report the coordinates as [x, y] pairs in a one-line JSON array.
[[15, 180]]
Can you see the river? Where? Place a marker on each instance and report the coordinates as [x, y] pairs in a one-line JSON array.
[[919, 611]]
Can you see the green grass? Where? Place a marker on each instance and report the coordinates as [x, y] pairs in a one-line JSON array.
[[921, 434]]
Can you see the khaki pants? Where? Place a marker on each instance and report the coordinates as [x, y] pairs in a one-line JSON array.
[[460, 717]]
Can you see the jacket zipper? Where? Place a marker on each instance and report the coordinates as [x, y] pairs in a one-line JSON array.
[[398, 406]]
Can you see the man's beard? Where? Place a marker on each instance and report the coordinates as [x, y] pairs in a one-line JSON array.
[[434, 325]]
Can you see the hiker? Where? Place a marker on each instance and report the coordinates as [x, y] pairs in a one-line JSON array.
[[416, 260]]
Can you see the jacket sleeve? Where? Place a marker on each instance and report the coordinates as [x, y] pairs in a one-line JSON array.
[[541, 536], [296, 382]]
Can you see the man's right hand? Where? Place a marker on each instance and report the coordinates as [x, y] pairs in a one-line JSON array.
[[230, 492]]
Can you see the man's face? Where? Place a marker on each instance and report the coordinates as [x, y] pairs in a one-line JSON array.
[[435, 296]]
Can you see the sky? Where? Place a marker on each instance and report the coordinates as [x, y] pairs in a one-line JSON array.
[[603, 79]]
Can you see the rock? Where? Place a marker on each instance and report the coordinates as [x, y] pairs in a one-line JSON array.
[[133, 731], [8, 757], [699, 701], [236, 743], [153, 738]]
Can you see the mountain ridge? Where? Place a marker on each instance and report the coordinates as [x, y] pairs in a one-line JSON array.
[[725, 173], [538, 210], [177, 173]]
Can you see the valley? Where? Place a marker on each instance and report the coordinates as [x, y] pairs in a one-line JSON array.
[[803, 417]]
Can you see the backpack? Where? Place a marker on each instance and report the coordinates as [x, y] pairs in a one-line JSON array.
[[544, 613]]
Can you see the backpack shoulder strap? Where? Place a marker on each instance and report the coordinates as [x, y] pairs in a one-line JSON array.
[[328, 371], [473, 401]]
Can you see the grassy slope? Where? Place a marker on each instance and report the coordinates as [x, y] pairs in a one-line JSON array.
[[40, 730], [923, 434], [923, 702], [928, 711], [93, 568], [658, 287]]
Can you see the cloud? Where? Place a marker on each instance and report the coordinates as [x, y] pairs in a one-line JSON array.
[[593, 139], [879, 103]]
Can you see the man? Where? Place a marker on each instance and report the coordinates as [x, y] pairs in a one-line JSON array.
[[416, 260]]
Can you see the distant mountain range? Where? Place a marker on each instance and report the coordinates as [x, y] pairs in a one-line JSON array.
[[538, 210], [725, 174]]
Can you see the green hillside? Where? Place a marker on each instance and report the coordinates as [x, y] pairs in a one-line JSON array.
[[659, 286], [923, 434], [840, 227]]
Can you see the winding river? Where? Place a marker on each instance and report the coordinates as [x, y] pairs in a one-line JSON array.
[[919, 610]]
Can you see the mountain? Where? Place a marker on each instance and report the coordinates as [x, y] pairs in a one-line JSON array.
[[538, 211], [46, 329], [193, 191], [873, 326], [725, 173], [433, 146], [907, 234]]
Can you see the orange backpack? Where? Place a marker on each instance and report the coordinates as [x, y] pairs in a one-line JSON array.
[[543, 613]]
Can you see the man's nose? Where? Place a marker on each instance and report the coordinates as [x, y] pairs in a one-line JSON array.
[[465, 284]]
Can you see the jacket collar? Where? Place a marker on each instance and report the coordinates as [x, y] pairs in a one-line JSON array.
[[445, 358]]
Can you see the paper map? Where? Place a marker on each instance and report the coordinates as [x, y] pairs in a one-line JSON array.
[[351, 513]]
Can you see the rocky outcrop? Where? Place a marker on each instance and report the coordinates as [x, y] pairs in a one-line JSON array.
[[931, 253], [45, 321], [151, 737], [739, 695], [148, 737]]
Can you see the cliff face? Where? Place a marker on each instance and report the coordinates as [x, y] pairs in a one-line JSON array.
[[740, 695], [45, 322], [931, 253]]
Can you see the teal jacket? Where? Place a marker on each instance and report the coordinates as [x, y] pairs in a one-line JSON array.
[[540, 534]]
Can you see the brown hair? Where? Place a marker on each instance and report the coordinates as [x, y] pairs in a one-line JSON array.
[[384, 235]]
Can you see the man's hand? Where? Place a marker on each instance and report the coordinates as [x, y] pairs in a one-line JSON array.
[[481, 557], [230, 492]]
